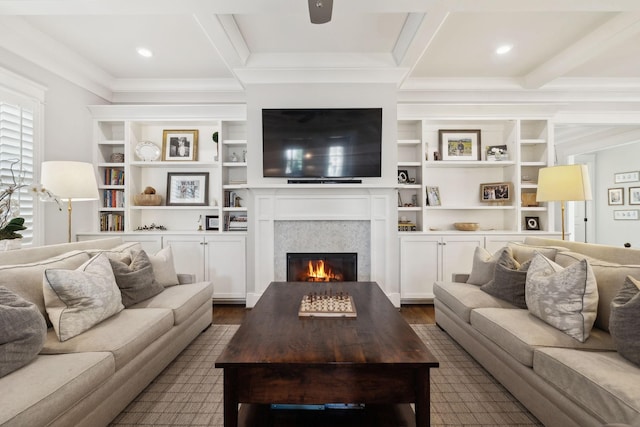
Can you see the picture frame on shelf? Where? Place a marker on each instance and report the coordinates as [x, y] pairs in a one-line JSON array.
[[626, 214], [211, 222], [497, 152], [403, 176], [615, 196], [187, 189], [532, 223], [495, 192], [634, 195], [433, 196], [529, 199], [459, 144], [180, 145], [626, 177]]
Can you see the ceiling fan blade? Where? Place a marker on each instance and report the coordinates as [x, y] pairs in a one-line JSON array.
[[320, 11]]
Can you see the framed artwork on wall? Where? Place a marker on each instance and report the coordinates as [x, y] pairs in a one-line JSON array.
[[459, 144], [627, 214], [616, 196], [626, 177], [634, 195]]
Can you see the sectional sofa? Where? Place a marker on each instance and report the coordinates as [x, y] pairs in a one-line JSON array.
[[87, 379], [561, 380]]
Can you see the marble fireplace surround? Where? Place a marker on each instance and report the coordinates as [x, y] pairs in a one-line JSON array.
[[357, 219]]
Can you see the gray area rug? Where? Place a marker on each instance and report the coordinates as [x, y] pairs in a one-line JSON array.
[[189, 390]]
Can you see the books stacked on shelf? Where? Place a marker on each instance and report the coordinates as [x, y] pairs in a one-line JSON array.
[[111, 222], [406, 226], [236, 222], [114, 176], [232, 199], [113, 198]]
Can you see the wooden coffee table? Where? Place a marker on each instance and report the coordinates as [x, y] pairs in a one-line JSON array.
[[278, 357]]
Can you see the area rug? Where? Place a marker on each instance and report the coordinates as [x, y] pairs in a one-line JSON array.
[[189, 391]]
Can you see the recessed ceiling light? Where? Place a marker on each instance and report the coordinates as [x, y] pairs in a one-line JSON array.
[[505, 48], [143, 51]]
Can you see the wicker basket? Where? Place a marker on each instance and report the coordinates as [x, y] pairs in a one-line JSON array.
[[147, 199], [466, 226]]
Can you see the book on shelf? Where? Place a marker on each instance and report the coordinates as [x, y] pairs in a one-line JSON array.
[[111, 222], [232, 199], [236, 222], [113, 198], [114, 176], [406, 226]]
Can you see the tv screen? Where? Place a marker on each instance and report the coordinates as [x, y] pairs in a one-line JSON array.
[[322, 143]]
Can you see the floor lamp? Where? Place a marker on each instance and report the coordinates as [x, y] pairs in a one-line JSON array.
[[70, 181], [563, 183]]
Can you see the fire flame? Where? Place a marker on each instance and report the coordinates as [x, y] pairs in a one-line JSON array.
[[316, 272]]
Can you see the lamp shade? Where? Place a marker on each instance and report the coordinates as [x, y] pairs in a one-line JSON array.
[[70, 180], [563, 183]]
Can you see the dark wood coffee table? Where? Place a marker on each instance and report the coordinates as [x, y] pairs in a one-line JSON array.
[[278, 357]]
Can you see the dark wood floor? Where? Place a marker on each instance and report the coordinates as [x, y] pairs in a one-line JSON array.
[[230, 314]]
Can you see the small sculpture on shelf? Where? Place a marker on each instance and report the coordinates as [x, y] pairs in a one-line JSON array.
[[151, 227], [234, 157]]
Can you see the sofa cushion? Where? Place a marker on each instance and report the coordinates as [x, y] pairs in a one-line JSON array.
[[163, 267], [523, 252], [519, 333], [22, 331], [78, 299], [135, 280], [566, 298], [121, 251], [609, 277], [183, 300], [461, 298], [603, 383], [26, 279], [508, 281], [484, 265], [125, 335], [625, 320], [51, 385]]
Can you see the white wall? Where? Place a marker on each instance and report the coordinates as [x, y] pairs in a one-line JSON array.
[[68, 135]]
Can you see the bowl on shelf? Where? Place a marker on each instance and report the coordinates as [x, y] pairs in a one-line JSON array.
[[147, 199], [466, 226]]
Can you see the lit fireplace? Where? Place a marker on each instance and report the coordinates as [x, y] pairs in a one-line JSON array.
[[322, 267]]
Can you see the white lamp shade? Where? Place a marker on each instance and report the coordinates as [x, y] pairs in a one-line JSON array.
[[70, 180], [563, 183]]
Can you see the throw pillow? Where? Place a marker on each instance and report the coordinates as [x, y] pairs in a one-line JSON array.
[[523, 252], [509, 281], [625, 320], [78, 299], [566, 298], [163, 268], [484, 265], [22, 331], [135, 280]]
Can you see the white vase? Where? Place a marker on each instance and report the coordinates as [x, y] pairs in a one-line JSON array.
[[10, 244]]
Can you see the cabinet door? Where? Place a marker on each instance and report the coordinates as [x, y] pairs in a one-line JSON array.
[[188, 254], [226, 266], [419, 266], [457, 254]]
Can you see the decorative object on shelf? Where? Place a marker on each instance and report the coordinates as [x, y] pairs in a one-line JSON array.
[[497, 153], [575, 185], [433, 196], [151, 227], [399, 200], [148, 198], [459, 144], [214, 137], [234, 157], [147, 151], [180, 145], [200, 223], [244, 156], [71, 181], [532, 223], [634, 195], [626, 177], [627, 214], [116, 158], [528, 199], [211, 222], [466, 226], [495, 192], [188, 189], [616, 196], [403, 176], [436, 156]]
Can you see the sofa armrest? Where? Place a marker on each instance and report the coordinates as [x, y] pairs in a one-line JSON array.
[[185, 279], [459, 277]]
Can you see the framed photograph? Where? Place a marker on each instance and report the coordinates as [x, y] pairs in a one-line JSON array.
[[628, 214], [459, 144], [211, 222], [532, 222], [188, 189], [634, 195], [496, 152], [433, 196], [495, 192], [180, 145], [626, 177], [403, 176], [616, 196]]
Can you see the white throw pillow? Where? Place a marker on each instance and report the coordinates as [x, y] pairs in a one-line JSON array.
[[78, 299], [163, 269], [566, 298]]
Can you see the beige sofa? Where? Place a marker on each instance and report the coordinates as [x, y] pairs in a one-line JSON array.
[[89, 379], [561, 381]]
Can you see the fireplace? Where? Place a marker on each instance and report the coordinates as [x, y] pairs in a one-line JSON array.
[[322, 267]]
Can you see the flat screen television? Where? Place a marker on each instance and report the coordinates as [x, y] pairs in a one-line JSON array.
[[322, 143]]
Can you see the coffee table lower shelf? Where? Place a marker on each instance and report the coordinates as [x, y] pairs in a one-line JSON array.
[[399, 415]]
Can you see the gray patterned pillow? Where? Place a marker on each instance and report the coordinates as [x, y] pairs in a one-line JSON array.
[[78, 299], [135, 280], [566, 298], [625, 320], [508, 281], [484, 265], [22, 331]]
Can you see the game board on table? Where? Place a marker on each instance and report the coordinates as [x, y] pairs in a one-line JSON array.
[[327, 304]]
